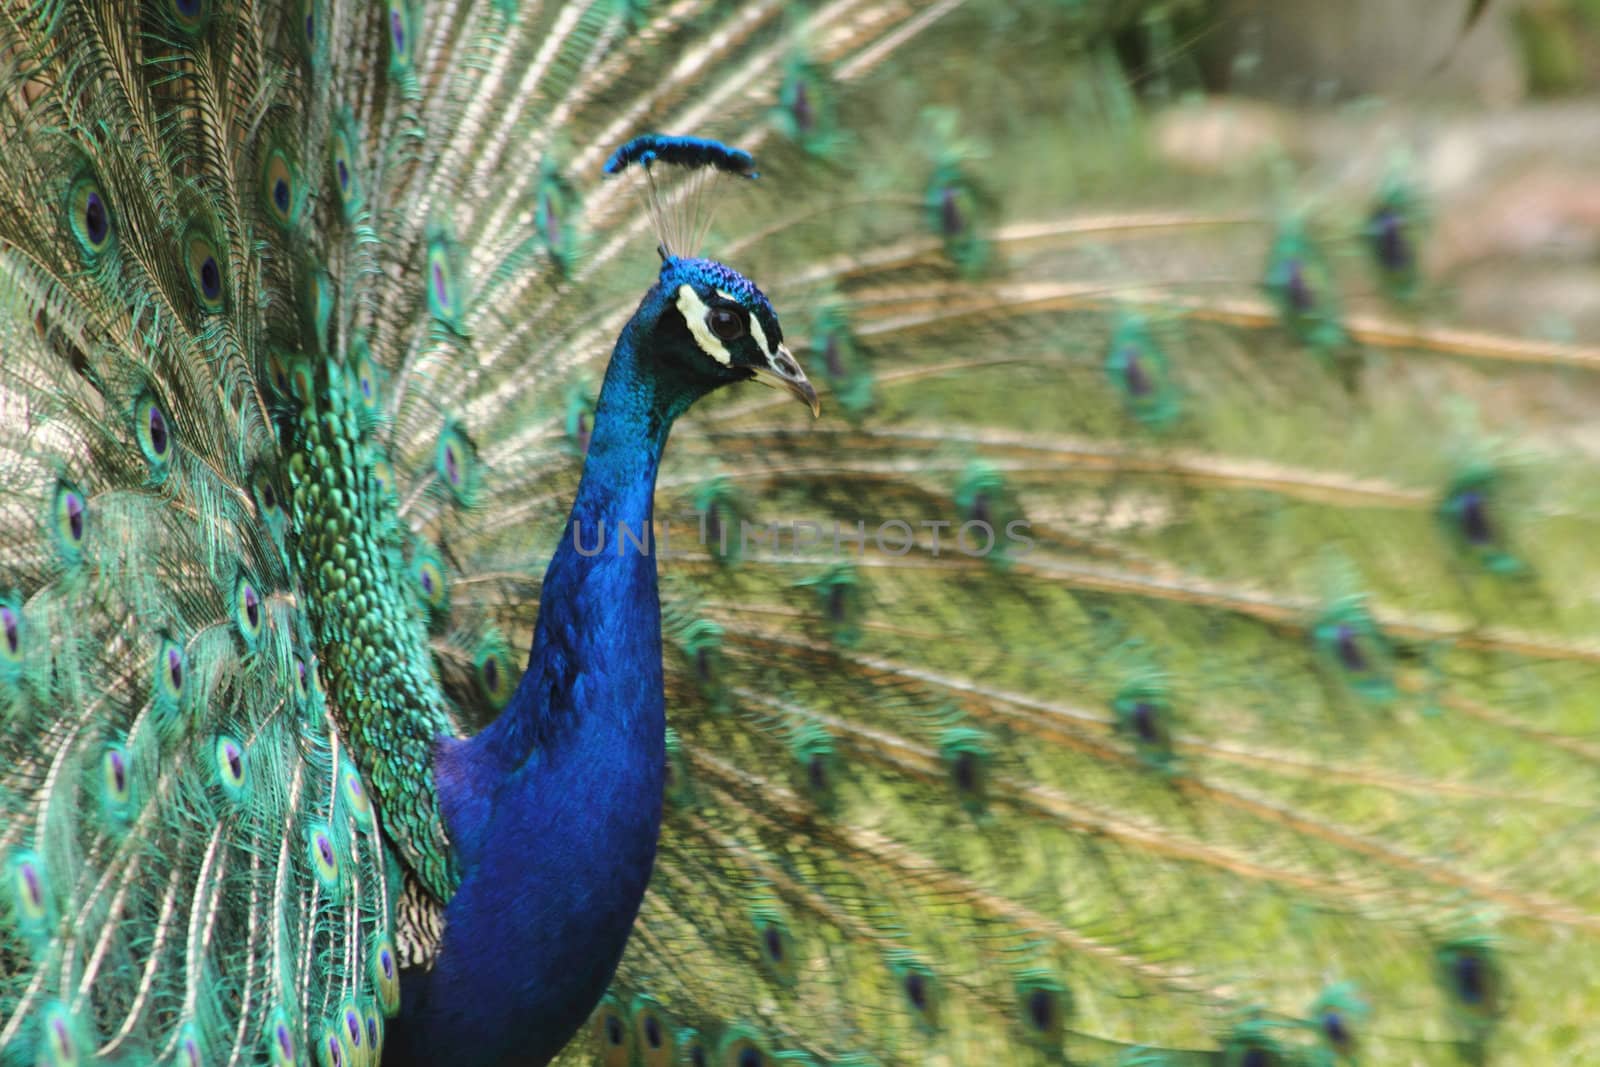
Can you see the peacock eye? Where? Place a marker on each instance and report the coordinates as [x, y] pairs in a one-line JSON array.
[[385, 976], [726, 324], [89, 216], [10, 635]]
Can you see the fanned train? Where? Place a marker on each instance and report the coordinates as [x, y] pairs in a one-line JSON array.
[[1173, 645]]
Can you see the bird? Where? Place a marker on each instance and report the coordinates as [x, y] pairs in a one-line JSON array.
[[1166, 639]]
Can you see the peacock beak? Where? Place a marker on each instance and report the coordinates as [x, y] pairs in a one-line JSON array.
[[782, 371]]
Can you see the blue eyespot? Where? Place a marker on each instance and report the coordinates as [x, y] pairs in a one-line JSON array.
[[61, 1045], [11, 634], [653, 1033], [742, 1047], [154, 433], [204, 266], [382, 474], [364, 376], [611, 1033], [431, 584], [29, 889], [444, 291], [384, 969], [319, 306], [280, 186], [324, 856], [919, 989], [966, 756], [308, 24], [355, 1028], [116, 786], [191, 15], [304, 678], [189, 1047], [331, 1048], [230, 766], [455, 462], [402, 32], [171, 671], [1043, 1005], [354, 792], [71, 517], [249, 613], [497, 679], [89, 217], [372, 1022], [342, 156], [278, 1037]]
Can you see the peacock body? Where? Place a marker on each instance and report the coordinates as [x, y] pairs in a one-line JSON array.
[[1173, 645]]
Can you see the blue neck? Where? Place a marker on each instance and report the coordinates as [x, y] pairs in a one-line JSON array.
[[554, 809]]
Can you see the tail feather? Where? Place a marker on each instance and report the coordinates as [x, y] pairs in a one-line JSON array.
[[1231, 735]]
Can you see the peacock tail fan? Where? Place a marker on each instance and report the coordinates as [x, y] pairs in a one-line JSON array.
[[1173, 646]]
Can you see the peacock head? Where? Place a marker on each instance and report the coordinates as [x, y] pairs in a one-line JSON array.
[[732, 330], [706, 314]]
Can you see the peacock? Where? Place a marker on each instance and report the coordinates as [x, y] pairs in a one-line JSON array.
[[1166, 639]]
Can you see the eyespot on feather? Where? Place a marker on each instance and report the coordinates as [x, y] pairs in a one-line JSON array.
[[654, 1036], [364, 376], [153, 431], [1351, 646], [331, 1048], [310, 28], [400, 26], [967, 758], [190, 16], [383, 968], [116, 782], [170, 673], [497, 678], [342, 158], [279, 1040], [919, 990], [373, 1019], [13, 636], [231, 767], [89, 217], [1043, 1006], [70, 521], [324, 857], [62, 1044], [30, 892], [382, 475], [353, 791], [456, 463], [249, 612], [318, 308], [742, 1046], [204, 265], [613, 1039], [189, 1047], [443, 281], [280, 189], [776, 944]]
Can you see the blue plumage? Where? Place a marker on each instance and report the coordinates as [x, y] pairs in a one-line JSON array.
[[554, 810]]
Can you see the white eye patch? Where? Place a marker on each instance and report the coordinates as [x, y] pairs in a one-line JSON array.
[[760, 335], [755, 326], [694, 311]]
